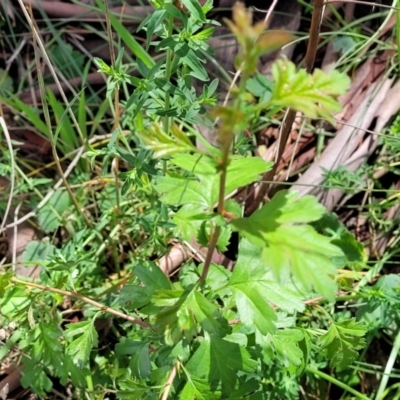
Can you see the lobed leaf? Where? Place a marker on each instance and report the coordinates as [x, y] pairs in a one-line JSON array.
[[289, 245], [341, 342], [81, 347], [219, 361], [311, 94], [254, 289]]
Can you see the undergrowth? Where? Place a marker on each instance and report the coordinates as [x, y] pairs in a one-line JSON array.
[[103, 320]]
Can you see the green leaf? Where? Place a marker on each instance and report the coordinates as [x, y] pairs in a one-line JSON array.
[[188, 220], [207, 314], [204, 192], [81, 347], [4, 282], [152, 23], [165, 145], [260, 86], [189, 57], [217, 276], [342, 341], [184, 311], [152, 276], [353, 251], [219, 361], [243, 171], [31, 114], [180, 191], [44, 345], [49, 215], [133, 297], [69, 372], [140, 363], [130, 41], [195, 9], [134, 390], [15, 301], [289, 245], [282, 347], [311, 94], [6, 83], [255, 288], [37, 251], [35, 378], [224, 238], [198, 389]]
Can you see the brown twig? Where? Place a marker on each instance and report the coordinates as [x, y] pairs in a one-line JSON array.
[[85, 299], [291, 114]]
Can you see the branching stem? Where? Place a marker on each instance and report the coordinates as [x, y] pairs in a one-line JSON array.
[[85, 299]]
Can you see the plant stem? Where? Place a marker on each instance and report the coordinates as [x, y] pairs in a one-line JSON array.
[[12, 172], [336, 382], [389, 366], [168, 66], [290, 115], [169, 382], [221, 205], [89, 382], [85, 299]]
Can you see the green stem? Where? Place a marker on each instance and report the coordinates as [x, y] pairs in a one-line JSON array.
[[350, 297], [389, 367], [89, 383], [168, 70], [225, 149], [336, 382]]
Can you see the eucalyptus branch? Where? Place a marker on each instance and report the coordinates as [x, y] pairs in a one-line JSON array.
[[85, 299]]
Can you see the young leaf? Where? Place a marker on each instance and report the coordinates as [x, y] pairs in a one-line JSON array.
[[81, 347], [254, 287], [341, 342], [165, 145], [289, 244], [195, 9], [311, 94]]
